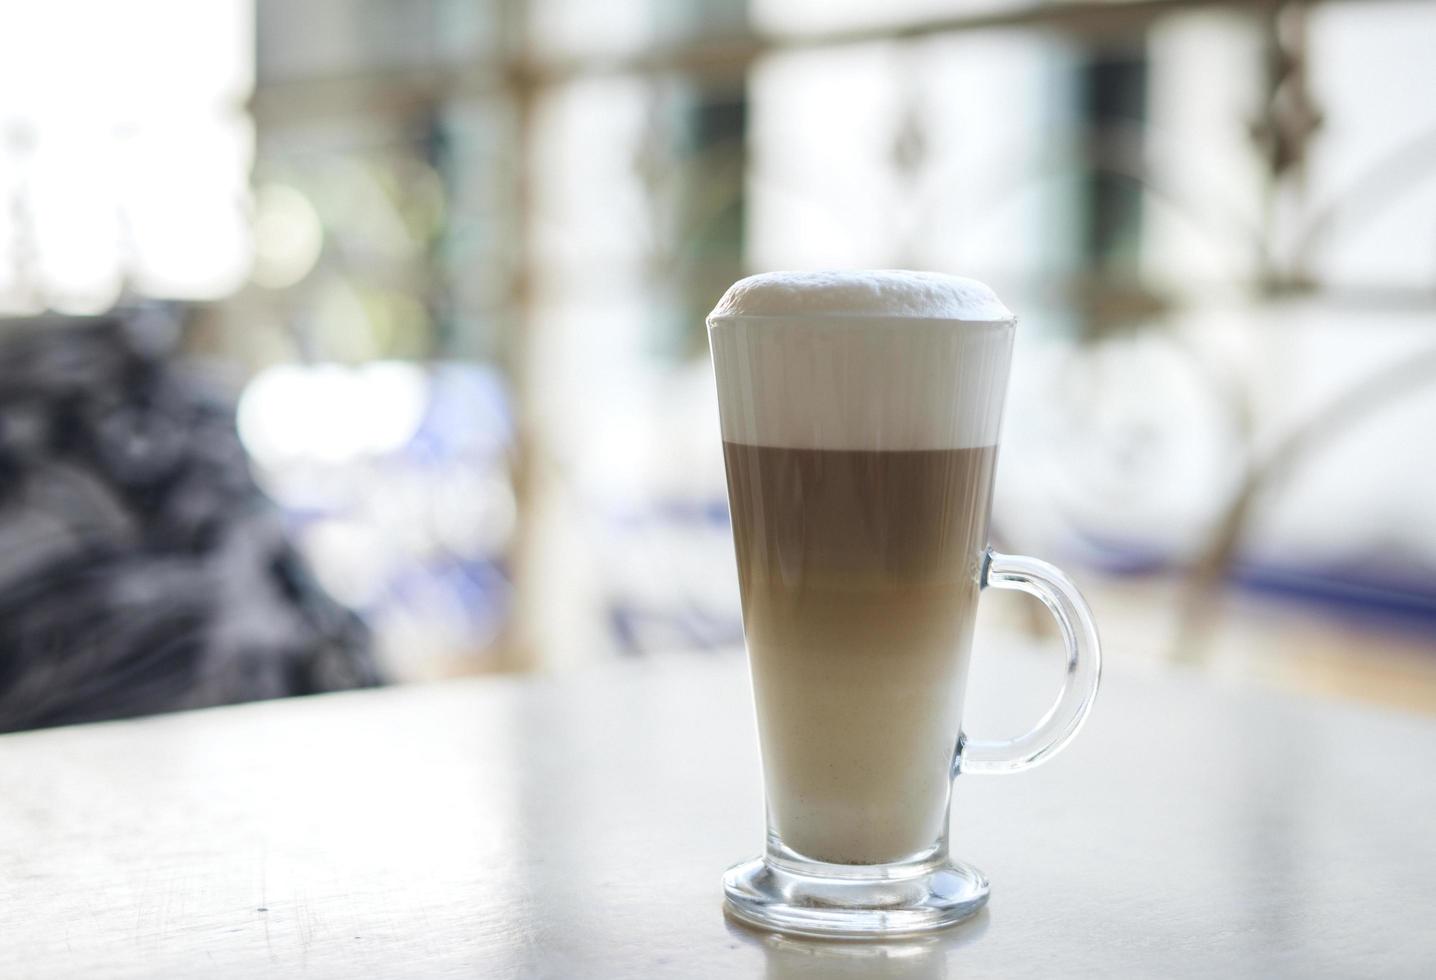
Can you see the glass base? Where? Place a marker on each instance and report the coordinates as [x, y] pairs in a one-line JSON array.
[[762, 894]]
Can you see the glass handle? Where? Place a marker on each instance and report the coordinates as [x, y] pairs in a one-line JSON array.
[[1079, 687]]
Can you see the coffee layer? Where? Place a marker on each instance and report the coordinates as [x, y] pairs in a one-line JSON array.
[[859, 578]]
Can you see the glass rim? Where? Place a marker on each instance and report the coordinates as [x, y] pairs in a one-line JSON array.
[[880, 318]]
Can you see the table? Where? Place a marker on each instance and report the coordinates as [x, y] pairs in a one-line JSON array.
[[576, 827]]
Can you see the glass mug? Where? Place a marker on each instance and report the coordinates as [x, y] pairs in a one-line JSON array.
[[860, 416]]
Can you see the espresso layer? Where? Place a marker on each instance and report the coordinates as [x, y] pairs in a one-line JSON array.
[[859, 577]]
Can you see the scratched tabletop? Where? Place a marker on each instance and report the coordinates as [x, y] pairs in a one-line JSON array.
[[576, 827]]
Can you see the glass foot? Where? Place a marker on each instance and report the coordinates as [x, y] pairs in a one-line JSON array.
[[770, 897]]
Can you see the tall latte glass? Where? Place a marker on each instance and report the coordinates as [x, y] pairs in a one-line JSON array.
[[860, 416]]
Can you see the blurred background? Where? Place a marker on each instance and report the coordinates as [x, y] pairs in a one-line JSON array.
[[353, 341]]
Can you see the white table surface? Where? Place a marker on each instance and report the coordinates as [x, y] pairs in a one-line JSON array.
[[577, 827]]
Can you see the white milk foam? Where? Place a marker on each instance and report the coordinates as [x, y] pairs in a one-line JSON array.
[[884, 360]]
